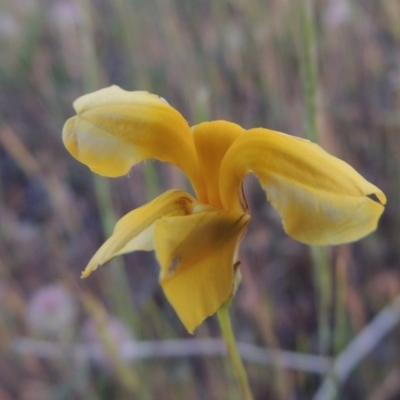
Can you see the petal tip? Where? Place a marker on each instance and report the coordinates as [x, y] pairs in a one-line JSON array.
[[88, 270], [85, 274], [380, 196]]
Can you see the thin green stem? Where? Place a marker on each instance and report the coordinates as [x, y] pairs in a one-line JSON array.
[[91, 78], [322, 279], [309, 69], [237, 364], [309, 79], [116, 276]]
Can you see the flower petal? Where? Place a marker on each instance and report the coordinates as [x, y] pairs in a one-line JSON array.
[[321, 199], [134, 231], [212, 140], [196, 254], [115, 129]]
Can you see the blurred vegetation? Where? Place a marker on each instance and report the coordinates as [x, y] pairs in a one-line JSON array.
[[243, 61]]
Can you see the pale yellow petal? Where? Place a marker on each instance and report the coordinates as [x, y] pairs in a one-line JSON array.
[[196, 255], [322, 200], [134, 231], [212, 140], [115, 129]]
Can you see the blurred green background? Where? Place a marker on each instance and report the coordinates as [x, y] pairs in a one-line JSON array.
[[325, 69]]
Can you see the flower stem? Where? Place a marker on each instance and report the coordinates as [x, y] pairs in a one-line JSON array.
[[238, 367], [309, 74]]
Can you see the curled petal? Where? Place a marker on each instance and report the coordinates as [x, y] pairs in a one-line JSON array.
[[196, 254], [212, 140], [322, 200], [115, 129], [134, 231]]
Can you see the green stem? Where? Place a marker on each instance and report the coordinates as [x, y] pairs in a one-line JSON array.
[[309, 69], [309, 78], [322, 279], [116, 276], [237, 364]]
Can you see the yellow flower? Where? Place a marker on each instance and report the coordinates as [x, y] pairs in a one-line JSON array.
[[321, 199]]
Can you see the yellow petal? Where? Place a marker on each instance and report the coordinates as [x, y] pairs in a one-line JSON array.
[[212, 140], [196, 254], [321, 199], [134, 231], [115, 129]]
